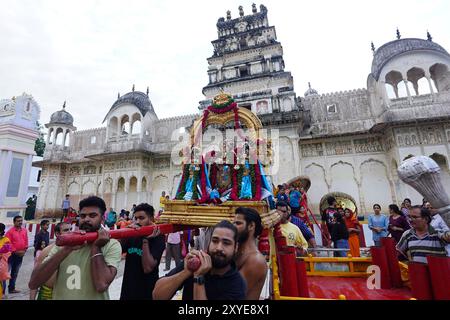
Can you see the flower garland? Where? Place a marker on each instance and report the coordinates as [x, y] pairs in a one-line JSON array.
[[181, 188], [220, 110]]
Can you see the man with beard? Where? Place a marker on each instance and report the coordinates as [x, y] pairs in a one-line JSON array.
[[143, 257], [217, 278], [84, 271], [250, 262]]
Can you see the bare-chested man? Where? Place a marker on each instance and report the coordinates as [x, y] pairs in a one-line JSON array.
[[249, 261]]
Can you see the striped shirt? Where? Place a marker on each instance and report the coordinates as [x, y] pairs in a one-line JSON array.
[[417, 248]]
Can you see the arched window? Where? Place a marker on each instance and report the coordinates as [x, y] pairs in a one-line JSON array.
[[137, 127], [394, 78], [125, 125], [67, 141], [112, 127], [59, 137], [133, 184], [50, 134], [121, 185], [402, 91], [440, 76], [144, 184], [390, 91]]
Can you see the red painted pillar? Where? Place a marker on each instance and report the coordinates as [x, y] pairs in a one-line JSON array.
[[420, 281], [392, 259], [263, 244], [302, 280], [288, 275], [439, 268], [379, 258]]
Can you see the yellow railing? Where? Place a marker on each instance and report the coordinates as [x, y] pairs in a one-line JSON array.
[[357, 266], [276, 286]]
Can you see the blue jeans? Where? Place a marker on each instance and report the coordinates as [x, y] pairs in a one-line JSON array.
[[341, 244], [14, 264]]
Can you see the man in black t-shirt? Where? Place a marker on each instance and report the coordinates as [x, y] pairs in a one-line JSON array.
[[143, 257], [217, 277]]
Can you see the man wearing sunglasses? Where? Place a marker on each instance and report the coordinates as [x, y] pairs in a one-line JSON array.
[[83, 272]]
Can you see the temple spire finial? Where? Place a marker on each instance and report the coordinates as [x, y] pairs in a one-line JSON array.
[[148, 91], [64, 104], [241, 11], [398, 34], [228, 15], [309, 85], [372, 46], [118, 95], [132, 89], [429, 38], [254, 10]]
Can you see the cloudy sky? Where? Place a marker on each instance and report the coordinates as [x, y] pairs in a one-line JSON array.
[[87, 51]]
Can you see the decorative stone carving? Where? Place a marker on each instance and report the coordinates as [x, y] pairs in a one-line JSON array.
[[368, 145], [407, 136], [109, 166], [431, 135], [7, 107], [447, 131], [161, 163], [241, 26], [26, 113], [338, 147], [90, 170], [74, 171], [54, 170], [262, 107], [231, 44], [312, 150]]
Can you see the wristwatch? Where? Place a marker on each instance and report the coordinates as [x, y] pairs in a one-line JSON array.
[[199, 280]]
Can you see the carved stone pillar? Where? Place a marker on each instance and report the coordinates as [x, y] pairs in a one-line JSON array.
[[48, 136], [384, 93], [54, 137], [296, 154], [428, 77], [139, 188], [407, 90], [129, 133], [64, 137]]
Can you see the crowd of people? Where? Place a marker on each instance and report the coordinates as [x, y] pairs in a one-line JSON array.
[[86, 271], [231, 265]]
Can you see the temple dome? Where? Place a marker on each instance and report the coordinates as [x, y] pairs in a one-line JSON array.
[[310, 91], [61, 117], [136, 98], [392, 49]]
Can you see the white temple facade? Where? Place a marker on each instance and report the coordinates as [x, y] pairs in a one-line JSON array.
[[350, 142], [18, 134]]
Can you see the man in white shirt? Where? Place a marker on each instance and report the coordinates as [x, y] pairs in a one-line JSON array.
[[438, 224], [173, 249]]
